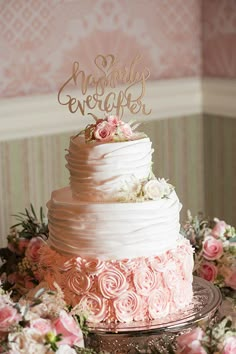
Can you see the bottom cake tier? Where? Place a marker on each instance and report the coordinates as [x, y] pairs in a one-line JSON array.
[[122, 290]]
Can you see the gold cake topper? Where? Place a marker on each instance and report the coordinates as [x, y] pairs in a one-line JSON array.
[[98, 91]]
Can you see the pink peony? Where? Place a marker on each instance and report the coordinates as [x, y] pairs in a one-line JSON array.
[[41, 325], [190, 342], [94, 306], [230, 280], [208, 271], [32, 251], [8, 317], [114, 120], [128, 306], [104, 131], [212, 248], [230, 345], [112, 282], [126, 130], [70, 330], [219, 229]]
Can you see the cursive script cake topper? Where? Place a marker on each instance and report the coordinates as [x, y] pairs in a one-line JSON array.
[[111, 91]]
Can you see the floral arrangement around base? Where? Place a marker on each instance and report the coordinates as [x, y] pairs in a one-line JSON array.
[[45, 324]]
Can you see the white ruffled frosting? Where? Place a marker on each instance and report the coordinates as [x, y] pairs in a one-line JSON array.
[[112, 230], [98, 170]]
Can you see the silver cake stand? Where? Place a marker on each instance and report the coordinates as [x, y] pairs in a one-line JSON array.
[[156, 335]]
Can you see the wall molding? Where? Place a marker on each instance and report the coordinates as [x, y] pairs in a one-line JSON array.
[[28, 116]]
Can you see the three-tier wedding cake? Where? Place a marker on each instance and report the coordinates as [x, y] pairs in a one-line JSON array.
[[114, 246]]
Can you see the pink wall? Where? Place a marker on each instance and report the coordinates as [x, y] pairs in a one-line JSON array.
[[219, 38], [39, 39]]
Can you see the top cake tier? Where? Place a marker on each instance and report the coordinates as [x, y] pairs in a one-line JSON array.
[[105, 171]]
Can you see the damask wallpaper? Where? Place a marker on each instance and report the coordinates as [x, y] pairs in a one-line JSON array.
[[219, 38], [39, 40]]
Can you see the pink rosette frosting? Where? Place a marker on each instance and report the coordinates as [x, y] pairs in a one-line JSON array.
[[145, 280], [112, 282], [94, 307], [208, 271], [158, 303], [128, 306], [78, 282], [94, 266], [212, 248], [179, 300]]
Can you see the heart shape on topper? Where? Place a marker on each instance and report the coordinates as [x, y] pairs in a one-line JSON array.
[[104, 62]]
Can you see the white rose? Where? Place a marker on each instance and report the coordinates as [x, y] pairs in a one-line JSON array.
[[153, 189], [166, 187]]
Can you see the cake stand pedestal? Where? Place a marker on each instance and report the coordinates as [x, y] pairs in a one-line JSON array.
[[150, 336]]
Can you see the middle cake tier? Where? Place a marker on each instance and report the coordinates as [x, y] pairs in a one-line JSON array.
[[112, 230]]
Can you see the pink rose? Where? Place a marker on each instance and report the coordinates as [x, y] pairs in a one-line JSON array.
[[70, 330], [126, 130], [41, 325], [128, 306], [78, 282], [8, 317], [94, 307], [158, 303], [32, 251], [112, 282], [230, 345], [219, 229], [145, 280], [94, 266], [190, 342], [104, 131], [208, 271], [114, 120], [212, 248], [230, 280]]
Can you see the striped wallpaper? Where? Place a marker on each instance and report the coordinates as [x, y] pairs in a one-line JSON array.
[[32, 168], [220, 167]]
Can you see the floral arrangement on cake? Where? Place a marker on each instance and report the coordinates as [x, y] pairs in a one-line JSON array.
[[111, 129], [151, 188], [215, 251]]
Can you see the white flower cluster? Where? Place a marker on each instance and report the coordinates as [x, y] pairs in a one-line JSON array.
[[148, 189]]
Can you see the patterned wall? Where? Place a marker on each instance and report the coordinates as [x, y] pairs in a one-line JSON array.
[[219, 38], [39, 40], [33, 167]]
